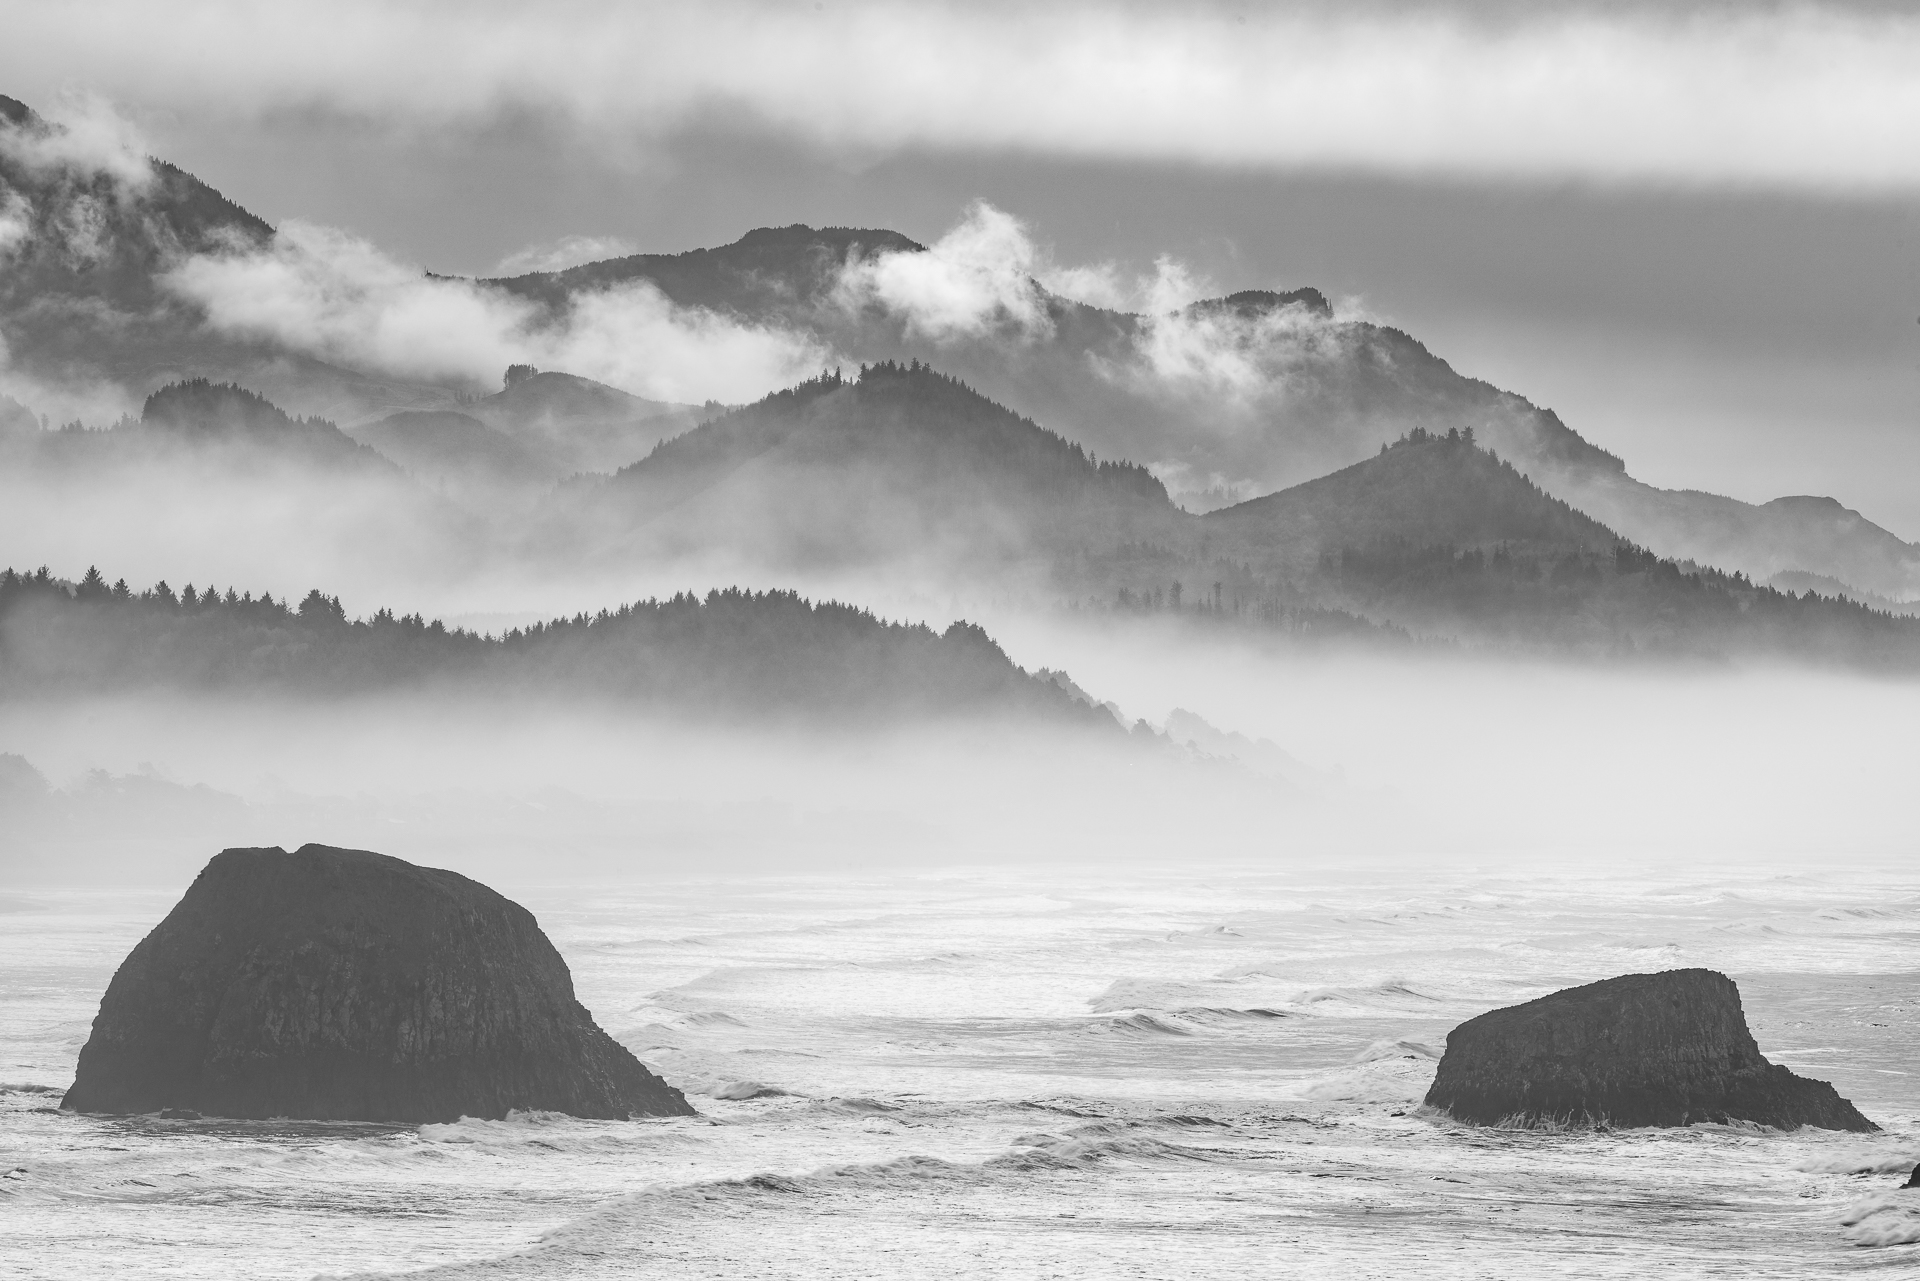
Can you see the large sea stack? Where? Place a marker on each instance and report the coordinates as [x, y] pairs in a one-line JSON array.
[[1642, 1049], [343, 985]]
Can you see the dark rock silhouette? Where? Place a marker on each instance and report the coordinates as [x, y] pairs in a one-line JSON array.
[[1913, 1180], [332, 984], [1642, 1049]]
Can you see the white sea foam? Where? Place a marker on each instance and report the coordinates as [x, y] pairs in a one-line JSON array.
[[988, 1074]]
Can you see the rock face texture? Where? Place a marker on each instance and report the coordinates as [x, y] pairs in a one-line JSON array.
[[333, 984], [1642, 1049]]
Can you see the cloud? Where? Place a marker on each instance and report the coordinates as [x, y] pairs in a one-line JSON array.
[[975, 280], [1796, 96], [568, 251], [1218, 350], [16, 221], [333, 295], [86, 133], [989, 277]]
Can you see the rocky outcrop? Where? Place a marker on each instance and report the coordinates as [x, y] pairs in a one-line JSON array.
[[335, 984], [1913, 1180], [1642, 1049]]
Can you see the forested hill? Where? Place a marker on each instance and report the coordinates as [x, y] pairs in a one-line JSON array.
[[215, 422], [104, 236], [201, 410], [1425, 488], [896, 460], [736, 654]]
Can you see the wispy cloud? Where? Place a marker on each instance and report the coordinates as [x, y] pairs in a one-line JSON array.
[[1801, 96], [323, 291], [84, 132]]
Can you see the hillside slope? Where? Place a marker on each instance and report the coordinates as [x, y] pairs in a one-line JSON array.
[[1234, 396], [1425, 489], [737, 654], [576, 424], [898, 461]]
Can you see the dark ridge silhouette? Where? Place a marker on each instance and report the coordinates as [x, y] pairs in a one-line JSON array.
[[1436, 489], [905, 409], [1440, 537], [343, 985], [1252, 304], [201, 411], [734, 653], [768, 269], [1661, 1049], [898, 460]]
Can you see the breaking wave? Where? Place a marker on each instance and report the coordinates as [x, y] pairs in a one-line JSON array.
[[1892, 1218]]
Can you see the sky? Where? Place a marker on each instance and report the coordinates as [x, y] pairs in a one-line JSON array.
[[1693, 230]]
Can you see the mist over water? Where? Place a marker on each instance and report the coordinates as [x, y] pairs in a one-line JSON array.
[[1041, 754]]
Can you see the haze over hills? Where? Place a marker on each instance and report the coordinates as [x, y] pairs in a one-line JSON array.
[[896, 462], [578, 425], [732, 654], [198, 422], [1223, 398]]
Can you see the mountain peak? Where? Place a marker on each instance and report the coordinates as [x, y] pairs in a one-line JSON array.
[[1427, 487], [842, 239], [15, 112], [1251, 304]]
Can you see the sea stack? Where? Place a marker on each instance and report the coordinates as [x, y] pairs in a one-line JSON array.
[[343, 985], [1643, 1049]]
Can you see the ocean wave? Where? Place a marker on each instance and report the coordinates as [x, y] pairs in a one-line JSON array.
[[1397, 1050], [854, 1106], [576, 1244], [1861, 1160], [1141, 1023], [1891, 1218], [740, 1091]]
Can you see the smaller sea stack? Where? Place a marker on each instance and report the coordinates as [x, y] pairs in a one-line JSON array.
[[342, 985], [1642, 1049]]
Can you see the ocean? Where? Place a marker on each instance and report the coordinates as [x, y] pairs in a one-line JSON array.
[[1209, 1068]]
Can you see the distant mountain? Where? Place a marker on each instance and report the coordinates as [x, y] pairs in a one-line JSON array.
[[1800, 534], [216, 424], [1224, 399], [768, 270], [898, 461], [577, 425], [745, 655], [80, 295], [1441, 538], [1425, 489], [1233, 396], [448, 448], [1080, 367]]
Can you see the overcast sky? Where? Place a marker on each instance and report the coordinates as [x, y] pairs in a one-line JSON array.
[[1693, 230]]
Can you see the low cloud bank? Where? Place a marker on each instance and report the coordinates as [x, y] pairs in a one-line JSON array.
[[338, 297], [1806, 97]]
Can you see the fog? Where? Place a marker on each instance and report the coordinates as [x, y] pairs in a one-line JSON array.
[[1424, 761], [333, 295]]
